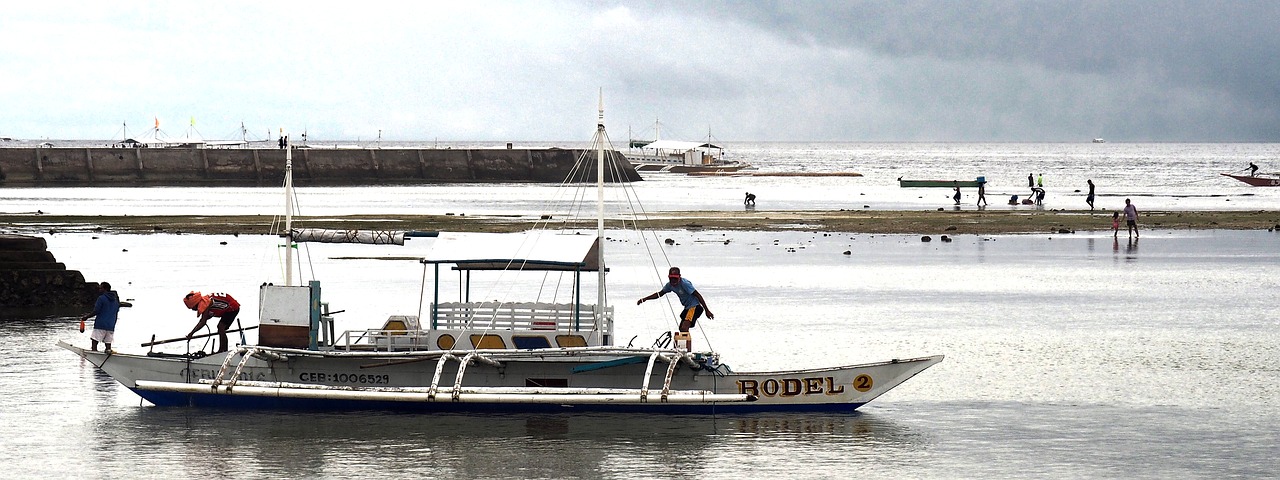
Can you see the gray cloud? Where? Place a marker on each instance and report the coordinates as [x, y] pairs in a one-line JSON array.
[[1145, 70], [786, 71]]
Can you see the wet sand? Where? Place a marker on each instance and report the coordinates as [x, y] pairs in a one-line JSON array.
[[851, 221]]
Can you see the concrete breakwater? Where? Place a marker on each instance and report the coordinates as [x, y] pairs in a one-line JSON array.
[[101, 166], [34, 284]]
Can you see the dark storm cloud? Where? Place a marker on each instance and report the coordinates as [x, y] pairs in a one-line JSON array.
[[1162, 70]]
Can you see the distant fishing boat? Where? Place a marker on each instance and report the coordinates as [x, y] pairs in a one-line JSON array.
[[941, 183], [677, 156], [1099, 140], [1259, 180]]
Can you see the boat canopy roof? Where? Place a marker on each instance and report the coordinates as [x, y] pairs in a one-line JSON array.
[[678, 145], [537, 250]]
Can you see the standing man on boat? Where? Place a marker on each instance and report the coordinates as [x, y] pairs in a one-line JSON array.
[[105, 312], [692, 301], [1253, 169], [212, 305]]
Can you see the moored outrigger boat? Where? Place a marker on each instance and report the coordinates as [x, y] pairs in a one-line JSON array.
[[469, 355]]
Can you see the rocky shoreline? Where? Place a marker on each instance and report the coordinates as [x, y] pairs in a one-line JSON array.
[[980, 222]]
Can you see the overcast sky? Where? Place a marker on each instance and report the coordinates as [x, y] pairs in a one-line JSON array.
[[745, 70]]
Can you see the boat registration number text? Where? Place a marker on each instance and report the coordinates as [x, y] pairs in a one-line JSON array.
[[322, 377]]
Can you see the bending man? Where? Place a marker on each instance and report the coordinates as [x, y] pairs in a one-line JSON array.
[[212, 305]]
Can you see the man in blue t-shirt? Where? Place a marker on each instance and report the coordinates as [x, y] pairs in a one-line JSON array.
[[105, 311], [692, 301]]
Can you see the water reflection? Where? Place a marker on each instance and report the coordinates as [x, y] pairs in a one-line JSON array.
[[1130, 249], [469, 446]]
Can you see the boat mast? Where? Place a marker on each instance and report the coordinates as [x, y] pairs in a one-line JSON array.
[[288, 211], [600, 137]]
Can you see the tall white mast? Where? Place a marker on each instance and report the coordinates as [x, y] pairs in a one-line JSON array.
[[288, 211], [600, 138]]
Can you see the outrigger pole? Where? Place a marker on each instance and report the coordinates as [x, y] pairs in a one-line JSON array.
[[203, 335]]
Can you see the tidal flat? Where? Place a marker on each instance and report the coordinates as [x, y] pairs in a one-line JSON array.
[[924, 222]]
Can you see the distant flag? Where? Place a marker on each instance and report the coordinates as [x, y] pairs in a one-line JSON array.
[[157, 123], [193, 120]]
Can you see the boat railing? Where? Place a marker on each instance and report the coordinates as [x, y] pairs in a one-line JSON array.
[[559, 323], [383, 340], [532, 316]]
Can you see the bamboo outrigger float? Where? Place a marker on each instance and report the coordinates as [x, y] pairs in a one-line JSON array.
[[467, 355]]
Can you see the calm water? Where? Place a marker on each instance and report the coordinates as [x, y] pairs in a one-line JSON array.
[[1078, 356]]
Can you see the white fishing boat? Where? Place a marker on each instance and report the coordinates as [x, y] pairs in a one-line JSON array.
[[676, 156], [462, 354]]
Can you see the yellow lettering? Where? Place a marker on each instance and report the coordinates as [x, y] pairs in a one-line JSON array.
[[832, 389], [770, 387], [812, 385], [790, 387], [749, 387]]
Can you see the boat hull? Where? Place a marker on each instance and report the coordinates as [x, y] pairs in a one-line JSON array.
[[681, 168], [555, 380], [1257, 180], [938, 183]]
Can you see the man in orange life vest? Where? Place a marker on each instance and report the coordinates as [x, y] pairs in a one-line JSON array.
[[212, 305]]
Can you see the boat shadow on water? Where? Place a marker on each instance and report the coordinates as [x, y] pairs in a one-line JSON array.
[[308, 444]]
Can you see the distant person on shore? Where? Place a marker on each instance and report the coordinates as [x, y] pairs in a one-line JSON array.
[[1253, 169], [1040, 181], [956, 197], [1038, 194], [281, 142], [212, 305], [1031, 181], [692, 301], [1131, 218], [105, 312], [1089, 199], [750, 200], [982, 194], [1013, 200], [1115, 224]]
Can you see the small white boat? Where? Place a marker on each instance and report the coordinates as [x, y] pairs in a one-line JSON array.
[[1099, 140], [463, 355]]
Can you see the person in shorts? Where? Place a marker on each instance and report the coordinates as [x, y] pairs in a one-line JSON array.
[[105, 312], [694, 304], [1131, 218], [212, 305]]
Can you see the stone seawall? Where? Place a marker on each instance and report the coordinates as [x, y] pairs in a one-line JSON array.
[[100, 166], [33, 284]]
